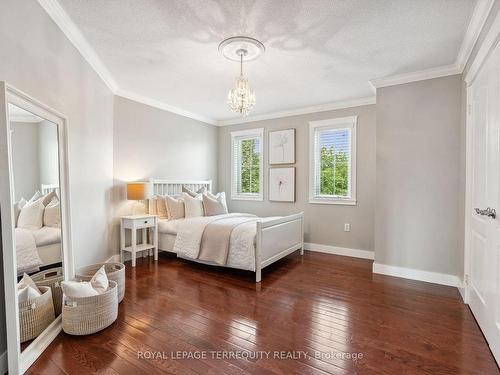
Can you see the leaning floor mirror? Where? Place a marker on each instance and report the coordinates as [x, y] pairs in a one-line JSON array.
[[34, 206]]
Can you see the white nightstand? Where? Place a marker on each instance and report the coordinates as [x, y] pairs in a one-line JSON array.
[[145, 222]]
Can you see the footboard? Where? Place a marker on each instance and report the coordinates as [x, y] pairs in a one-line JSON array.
[[276, 239]]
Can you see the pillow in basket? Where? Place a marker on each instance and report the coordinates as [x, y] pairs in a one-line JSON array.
[[27, 289], [78, 289]]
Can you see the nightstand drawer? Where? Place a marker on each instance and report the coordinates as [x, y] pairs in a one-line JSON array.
[[146, 222]]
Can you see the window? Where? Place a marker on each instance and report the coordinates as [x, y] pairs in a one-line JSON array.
[[333, 161], [247, 165]]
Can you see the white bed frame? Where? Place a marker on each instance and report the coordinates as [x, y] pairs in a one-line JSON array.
[[275, 239]]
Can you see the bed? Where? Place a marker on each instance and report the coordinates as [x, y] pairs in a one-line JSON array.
[[39, 248], [272, 238]]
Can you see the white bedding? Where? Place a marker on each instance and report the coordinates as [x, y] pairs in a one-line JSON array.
[[30, 242], [242, 241], [26, 252], [47, 236]]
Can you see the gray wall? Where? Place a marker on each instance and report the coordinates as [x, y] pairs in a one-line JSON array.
[[324, 223], [25, 157], [418, 175], [152, 143], [38, 59]]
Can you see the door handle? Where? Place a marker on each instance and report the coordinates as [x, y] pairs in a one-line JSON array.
[[490, 212]]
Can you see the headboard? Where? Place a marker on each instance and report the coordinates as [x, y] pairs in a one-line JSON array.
[[163, 187], [46, 189]]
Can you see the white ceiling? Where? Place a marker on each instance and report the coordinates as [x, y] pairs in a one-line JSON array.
[[317, 51]]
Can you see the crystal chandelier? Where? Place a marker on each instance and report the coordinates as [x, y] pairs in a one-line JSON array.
[[241, 98]]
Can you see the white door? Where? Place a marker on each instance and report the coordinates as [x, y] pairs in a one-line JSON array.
[[484, 235]]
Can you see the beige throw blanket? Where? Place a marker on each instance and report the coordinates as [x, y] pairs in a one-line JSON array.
[[216, 238]]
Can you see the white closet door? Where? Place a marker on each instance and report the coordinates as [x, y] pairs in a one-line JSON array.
[[484, 241]]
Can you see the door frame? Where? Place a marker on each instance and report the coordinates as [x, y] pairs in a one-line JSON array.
[[491, 41]]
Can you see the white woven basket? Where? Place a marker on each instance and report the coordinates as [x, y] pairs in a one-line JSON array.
[[36, 314], [52, 278], [114, 271], [87, 315]]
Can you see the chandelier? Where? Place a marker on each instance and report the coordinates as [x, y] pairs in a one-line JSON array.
[[241, 98]]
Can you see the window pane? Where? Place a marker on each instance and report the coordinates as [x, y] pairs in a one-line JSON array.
[[334, 149], [250, 165]]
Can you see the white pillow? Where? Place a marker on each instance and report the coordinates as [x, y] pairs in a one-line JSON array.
[[214, 204], [77, 289], [100, 280], [193, 206], [31, 215], [192, 193], [46, 199], [27, 289], [175, 208], [52, 214], [27, 281], [25, 294], [35, 197], [17, 208]]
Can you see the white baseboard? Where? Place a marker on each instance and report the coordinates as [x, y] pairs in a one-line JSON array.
[[355, 253], [461, 290], [413, 274], [4, 363]]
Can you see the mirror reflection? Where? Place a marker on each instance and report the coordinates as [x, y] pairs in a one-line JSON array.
[[37, 214]]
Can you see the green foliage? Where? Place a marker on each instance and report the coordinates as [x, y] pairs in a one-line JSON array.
[[250, 167], [334, 179]]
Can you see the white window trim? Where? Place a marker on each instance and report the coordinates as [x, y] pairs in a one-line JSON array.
[[335, 123], [259, 132]]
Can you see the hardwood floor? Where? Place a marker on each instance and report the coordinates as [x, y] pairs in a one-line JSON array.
[[320, 304]]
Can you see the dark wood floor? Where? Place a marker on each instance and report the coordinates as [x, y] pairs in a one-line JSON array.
[[318, 304]]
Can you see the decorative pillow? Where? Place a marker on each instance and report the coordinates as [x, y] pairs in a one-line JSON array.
[[161, 207], [193, 194], [194, 206], [27, 289], [52, 214], [77, 289], [31, 216], [175, 208], [214, 204], [35, 197], [100, 280], [17, 208], [48, 198]]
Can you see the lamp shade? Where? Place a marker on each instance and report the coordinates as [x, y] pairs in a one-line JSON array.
[[138, 191]]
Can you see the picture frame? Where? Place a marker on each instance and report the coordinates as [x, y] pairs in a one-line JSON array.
[[282, 147], [282, 184]]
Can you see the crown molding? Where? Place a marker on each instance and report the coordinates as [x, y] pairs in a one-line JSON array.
[[399, 79], [68, 27], [474, 28], [302, 111], [161, 105], [476, 25]]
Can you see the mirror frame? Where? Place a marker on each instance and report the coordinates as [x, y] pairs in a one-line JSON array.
[[18, 361]]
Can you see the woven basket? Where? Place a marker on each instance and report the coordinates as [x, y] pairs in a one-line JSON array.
[[52, 278], [87, 315], [36, 314], [114, 271]]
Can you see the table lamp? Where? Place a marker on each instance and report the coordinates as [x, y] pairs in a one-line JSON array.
[[139, 191]]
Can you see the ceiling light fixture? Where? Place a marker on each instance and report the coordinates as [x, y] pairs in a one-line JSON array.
[[241, 98]]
